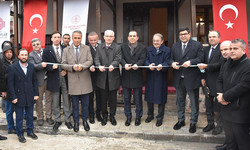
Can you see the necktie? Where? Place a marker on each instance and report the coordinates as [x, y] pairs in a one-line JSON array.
[[40, 55], [77, 54], [157, 50], [107, 47], [183, 49], [57, 54], [211, 53]]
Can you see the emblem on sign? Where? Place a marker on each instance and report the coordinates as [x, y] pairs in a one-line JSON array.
[[75, 19], [2, 24], [33, 17], [228, 6]]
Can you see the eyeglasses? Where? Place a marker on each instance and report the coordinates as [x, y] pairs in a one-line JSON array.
[[184, 34], [37, 44]]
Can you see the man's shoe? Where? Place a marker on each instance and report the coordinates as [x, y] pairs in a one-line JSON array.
[[86, 125], [113, 121], [50, 121], [34, 117], [128, 121], [104, 121], [149, 119], [208, 128], [3, 138], [217, 130], [12, 131], [99, 118], [69, 125], [192, 128], [57, 125], [40, 122], [92, 120], [159, 122], [33, 136], [221, 147], [178, 125], [137, 121], [76, 127], [22, 139]]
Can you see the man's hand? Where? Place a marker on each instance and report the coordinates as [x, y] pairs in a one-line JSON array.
[[101, 68], [111, 68], [92, 68], [186, 64], [44, 64], [202, 66], [135, 67], [152, 66], [174, 65], [4, 94], [55, 66], [77, 67], [159, 67], [63, 73], [128, 66], [220, 97], [14, 101], [36, 97], [203, 82]]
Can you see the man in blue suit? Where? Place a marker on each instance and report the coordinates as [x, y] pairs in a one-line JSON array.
[[23, 90], [186, 79]]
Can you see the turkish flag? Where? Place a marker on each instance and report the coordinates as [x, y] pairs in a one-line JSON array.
[[230, 19], [34, 22]]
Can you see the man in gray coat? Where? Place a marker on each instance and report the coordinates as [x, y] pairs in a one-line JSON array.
[[108, 54], [35, 57]]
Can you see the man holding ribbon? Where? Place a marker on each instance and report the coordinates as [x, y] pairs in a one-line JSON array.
[[78, 58]]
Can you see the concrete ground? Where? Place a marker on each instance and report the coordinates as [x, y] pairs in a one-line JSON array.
[[75, 142]]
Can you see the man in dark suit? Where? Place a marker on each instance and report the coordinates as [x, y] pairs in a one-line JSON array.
[[109, 55], [212, 63], [233, 88], [23, 90], [158, 55], [56, 81], [66, 40], [35, 57], [186, 79], [133, 55], [93, 39]]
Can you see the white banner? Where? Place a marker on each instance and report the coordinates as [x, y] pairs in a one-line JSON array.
[[4, 22], [75, 17]]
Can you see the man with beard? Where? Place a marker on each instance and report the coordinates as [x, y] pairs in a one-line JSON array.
[[23, 90]]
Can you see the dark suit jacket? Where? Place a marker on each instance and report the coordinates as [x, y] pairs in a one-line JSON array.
[[37, 62], [113, 57], [192, 75], [21, 86], [93, 74], [132, 78], [213, 68], [53, 80], [234, 83]]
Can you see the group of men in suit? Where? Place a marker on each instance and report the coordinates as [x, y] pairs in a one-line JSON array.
[[94, 69]]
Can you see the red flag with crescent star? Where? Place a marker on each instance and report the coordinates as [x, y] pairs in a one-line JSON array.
[[230, 19], [34, 22]]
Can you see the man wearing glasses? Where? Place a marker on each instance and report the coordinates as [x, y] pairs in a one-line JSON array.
[[35, 57], [108, 54], [186, 79]]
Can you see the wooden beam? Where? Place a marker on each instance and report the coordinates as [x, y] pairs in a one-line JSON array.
[[176, 14], [109, 5], [55, 15], [16, 25], [98, 18], [193, 19], [180, 3], [114, 18]]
